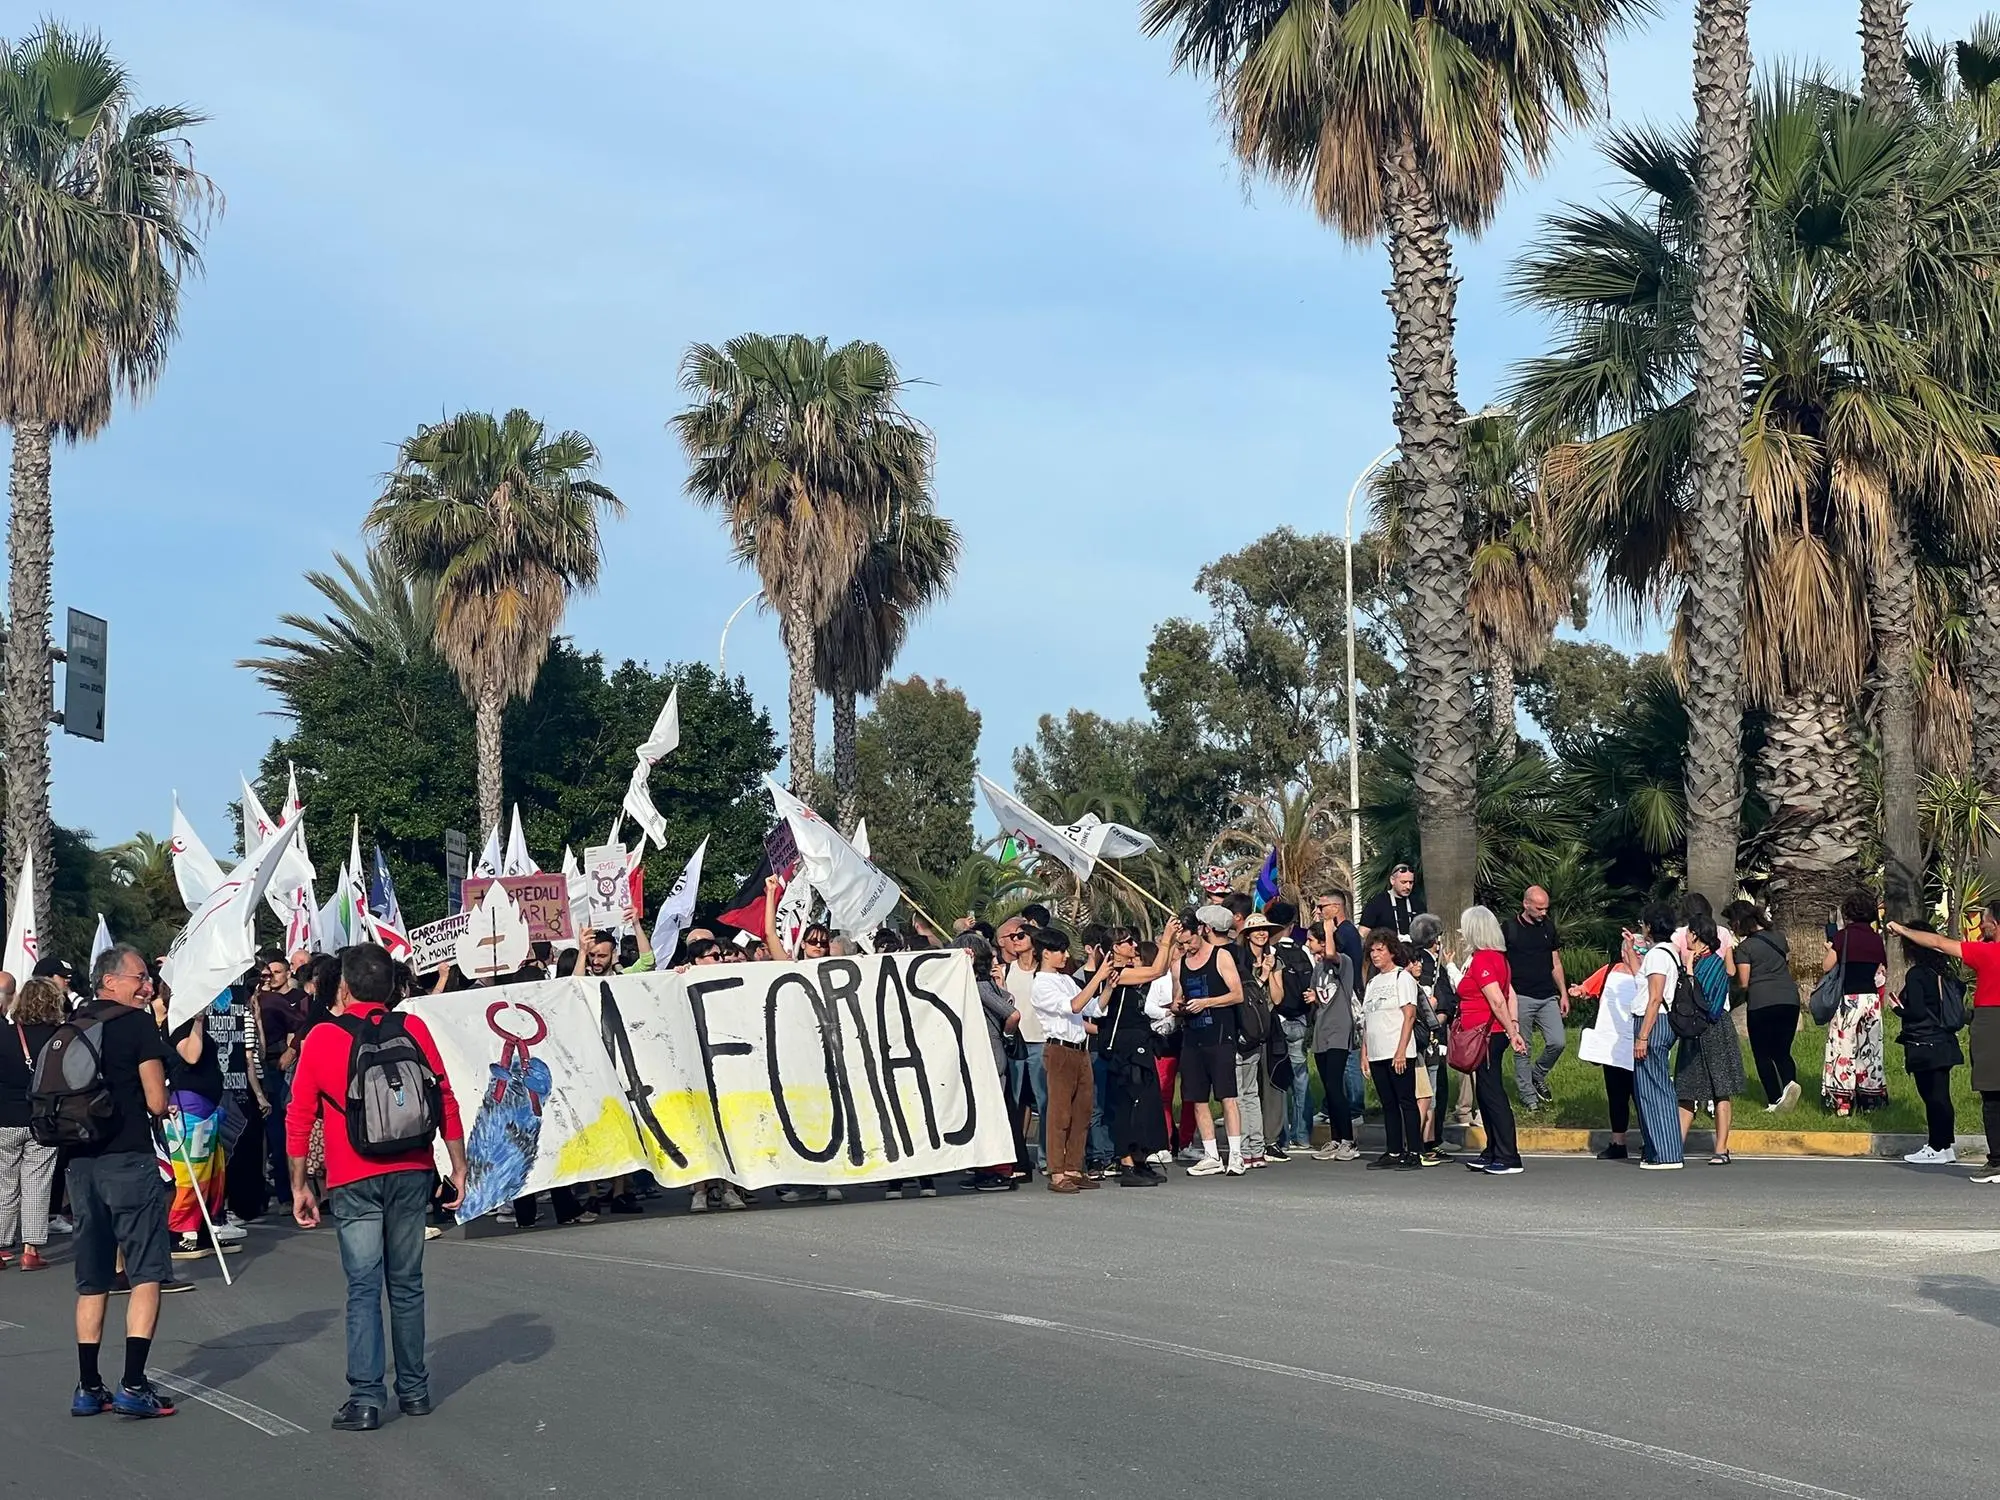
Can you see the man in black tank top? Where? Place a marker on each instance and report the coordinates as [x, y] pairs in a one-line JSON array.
[[1207, 991]]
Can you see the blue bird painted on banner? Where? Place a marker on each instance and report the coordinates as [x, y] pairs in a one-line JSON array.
[[500, 1149]]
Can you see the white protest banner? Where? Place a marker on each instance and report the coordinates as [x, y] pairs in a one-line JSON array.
[[541, 1103], [843, 1071], [495, 941], [857, 895], [608, 889], [543, 900], [1102, 840], [1036, 831], [435, 944]]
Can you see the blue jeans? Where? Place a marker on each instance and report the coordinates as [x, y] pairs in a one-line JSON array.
[[1099, 1148], [1298, 1112], [381, 1225], [1357, 1093], [1038, 1080]]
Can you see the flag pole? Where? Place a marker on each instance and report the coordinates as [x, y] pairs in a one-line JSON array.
[[179, 1138], [944, 934], [1148, 895]]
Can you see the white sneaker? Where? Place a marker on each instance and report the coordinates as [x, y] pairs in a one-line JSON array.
[[731, 1199], [1927, 1156], [1661, 1166], [698, 1204], [1790, 1096], [229, 1218], [1329, 1152], [1208, 1166], [1347, 1151], [61, 1224], [1191, 1153], [834, 1195], [1161, 1158], [1237, 1166], [229, 1234]]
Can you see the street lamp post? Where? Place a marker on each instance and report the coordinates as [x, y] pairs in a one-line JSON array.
[[1353, 706], [723, 647]]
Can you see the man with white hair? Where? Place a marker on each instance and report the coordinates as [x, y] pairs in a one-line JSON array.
[[1207, 990]]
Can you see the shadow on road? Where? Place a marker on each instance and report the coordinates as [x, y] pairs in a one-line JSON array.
[[1968, 1296], [220, 1362], [512, 1339]]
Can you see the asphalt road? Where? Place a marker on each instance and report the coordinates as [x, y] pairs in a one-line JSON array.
[[1806, 1328]]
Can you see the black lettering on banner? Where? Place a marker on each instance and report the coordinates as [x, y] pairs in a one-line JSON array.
[[912, 1060], [842, 980], [698, 994], [638, 1093], [970, 1128], [828, 1045]]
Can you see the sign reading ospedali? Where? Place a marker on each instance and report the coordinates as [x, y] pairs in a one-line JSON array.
[[543, 900]]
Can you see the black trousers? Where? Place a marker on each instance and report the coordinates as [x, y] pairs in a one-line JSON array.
[[1489, 1086], [1772, 1028], [244, 1189], [1618, 1097], [1990, 1111], [1934, 1088], [1398, 1093], [1332, 1065]]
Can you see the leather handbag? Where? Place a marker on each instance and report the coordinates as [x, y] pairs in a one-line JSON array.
[[1465, 1048], [1828, 993]]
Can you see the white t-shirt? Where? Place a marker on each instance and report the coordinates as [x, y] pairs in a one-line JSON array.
[[1622, 1002], [1159, 1005], [1660, 959], [1054, 994], [1021, 985], [1382, 1013]]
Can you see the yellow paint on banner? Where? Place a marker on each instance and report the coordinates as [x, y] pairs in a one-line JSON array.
[[604, 1147]]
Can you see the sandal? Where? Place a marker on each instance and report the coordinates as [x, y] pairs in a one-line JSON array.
[[1720, 1159]]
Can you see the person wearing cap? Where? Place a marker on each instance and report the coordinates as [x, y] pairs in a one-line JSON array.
[[1207, 990], [54, 968], [1395, 908]]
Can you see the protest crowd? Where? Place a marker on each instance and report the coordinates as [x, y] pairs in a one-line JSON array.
[[153, 1134]]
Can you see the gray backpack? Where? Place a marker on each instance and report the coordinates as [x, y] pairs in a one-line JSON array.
[[395, 1104]]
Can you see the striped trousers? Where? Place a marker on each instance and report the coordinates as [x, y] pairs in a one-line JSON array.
[[1653, 1088]]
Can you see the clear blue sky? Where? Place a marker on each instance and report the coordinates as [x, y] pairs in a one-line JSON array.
[[1133, 359]]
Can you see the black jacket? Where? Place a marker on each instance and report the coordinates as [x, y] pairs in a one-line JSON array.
[[1926, 1042]]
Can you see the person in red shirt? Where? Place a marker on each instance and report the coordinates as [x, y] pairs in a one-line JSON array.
[[378, 1203], [1486, 1002], [1983, 958]]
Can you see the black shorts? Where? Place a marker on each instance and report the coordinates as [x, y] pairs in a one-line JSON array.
[[1207, 1072], [119, 1203]]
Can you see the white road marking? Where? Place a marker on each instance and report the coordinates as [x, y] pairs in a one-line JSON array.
[[267, 1422], [1775, 1483]]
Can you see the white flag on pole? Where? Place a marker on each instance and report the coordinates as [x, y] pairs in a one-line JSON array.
[[579, 892], [1037, 832], [517, 861], [489, 857], [259, 825], [662, 742], [219, 941], [1103, 840], [676, 913], [360, 921], [23, 943], [292, 810], [195, 869], [302, 927], [857, 895], [100, 942], [860, 840]]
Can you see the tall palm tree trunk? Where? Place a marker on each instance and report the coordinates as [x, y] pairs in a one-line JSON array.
[[1500, 703], [30, 687], [1714, 633], [1423, 296], [1892, 583], [846, 761], [486, 742], [1982, 687], [799, 648], [1808, 772]]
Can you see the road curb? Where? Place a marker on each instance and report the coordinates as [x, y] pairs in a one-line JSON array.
[[1828, 1143]]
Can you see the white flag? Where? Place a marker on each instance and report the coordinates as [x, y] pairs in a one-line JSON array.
[[302, 926], [23, 943], [579, 892], [360, 921], [517, 861], [1103, 840], [1037, 832], [795, 910], [259, 825], [292, 809], [857, 895], [219, 941], [330, 927], [100, 942], [662, 742], [676, 913], [860, 840], [489, 857], [195, 869]]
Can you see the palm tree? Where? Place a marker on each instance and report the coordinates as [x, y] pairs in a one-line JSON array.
[[901, 575], [807, 455], [1714, 608], [1841, 411], [101, 215], [501, 521], [1402, 119], [375, 610]]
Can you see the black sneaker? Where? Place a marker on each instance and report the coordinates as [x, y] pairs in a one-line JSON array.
[[1385, 1163], [1135, 1177], [625, 1203], [1276, 1153], [1612, 1152], [1409, 1162]]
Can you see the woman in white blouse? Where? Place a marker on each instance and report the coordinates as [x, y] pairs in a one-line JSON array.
[[1388, 1016]]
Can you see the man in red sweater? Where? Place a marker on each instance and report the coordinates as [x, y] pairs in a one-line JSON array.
[[378, 1202]]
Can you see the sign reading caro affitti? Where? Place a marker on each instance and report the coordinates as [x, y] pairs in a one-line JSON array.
[[83, 676]]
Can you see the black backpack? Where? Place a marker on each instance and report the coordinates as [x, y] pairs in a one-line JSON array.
[[1951, 1002], [1687, 1013], [395, 1104], [69, 1098], [1296, 966], [1253, 1015]]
